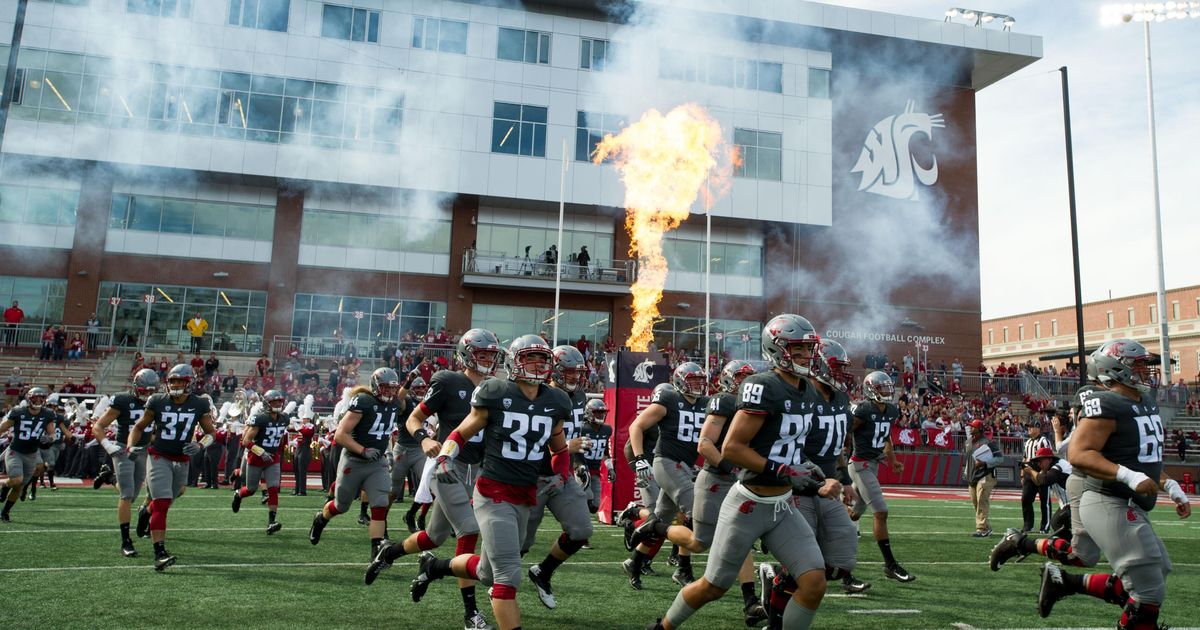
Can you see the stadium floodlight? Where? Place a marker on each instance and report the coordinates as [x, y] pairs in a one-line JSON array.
[[1147, 12], [979, 18]]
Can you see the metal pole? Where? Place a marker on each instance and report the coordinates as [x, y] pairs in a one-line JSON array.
[[1066, 99], [707, 281], [1164, 341], [112, 328], [146, 330], [562, 202], [10, 73]]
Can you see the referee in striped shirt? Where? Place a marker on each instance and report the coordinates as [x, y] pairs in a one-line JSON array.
[[1029, 488]]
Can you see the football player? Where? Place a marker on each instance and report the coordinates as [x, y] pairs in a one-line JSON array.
[[871, 435], [836, 534], [1118, 445], [172, 417], [33, 427], [766, 440], [677, 408], [448, 397], [363, 433], [51, 451], [408, 458], [521, 418], [713, 482], [599, 449], [262, 440], [126, 409], [566, 501]]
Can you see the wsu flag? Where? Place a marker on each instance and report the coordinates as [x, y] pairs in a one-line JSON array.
[[905, 437], [939, 438]]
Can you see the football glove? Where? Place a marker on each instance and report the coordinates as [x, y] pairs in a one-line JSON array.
[[641, 468], [583, 476], [371, 454], [267, 458], [192, 448], [443, 469]]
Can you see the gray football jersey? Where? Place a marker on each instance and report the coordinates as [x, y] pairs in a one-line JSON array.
[[518, 429], [875, 430], [1136, 441], [449, 397], [787, 420], [573, 425], [828, 433], [129, 410], [679, 429], [724, 405]]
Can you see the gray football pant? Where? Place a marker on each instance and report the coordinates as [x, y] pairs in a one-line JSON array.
[[266, 474], [165, 478], [866, 482], [406, 460], [677, 486], [1082, 545], [451, 512], [501, 533], [709, 493], [1124, 533], [836, 534], [569, 506], [746, 517], [356, 475], [131, 473], [21, 465]]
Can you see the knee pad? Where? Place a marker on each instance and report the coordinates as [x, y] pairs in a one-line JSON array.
[[473, 567], [466, 544], [570, 545], [158, 513], [424, 542], [379, 513], [334, 509]]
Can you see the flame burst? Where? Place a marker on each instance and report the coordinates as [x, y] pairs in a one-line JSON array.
[[665, 163]]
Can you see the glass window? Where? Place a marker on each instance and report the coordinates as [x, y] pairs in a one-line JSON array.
[[452, 37], [210, 219], [761, 153], [242, 222], [593, 53], [359, 25], [177, 216], [818, 83], [163, 8], [271, 15], [40, 298], [12, 204], [519, 129], [526, 46], [590, 129]]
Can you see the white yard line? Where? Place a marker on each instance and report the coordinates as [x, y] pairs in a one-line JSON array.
[[886, 611]]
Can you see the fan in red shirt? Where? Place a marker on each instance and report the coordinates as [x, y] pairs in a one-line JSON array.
[[87, 387], [262, 365]]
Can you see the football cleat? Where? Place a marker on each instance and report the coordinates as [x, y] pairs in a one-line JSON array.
[[983, 533], [410, 520], [1053, 589], [542, 583], [143, 522], [1008, 548], [104, 476], [363, 519], [673, 559], [5, 518], [381, 561], [127, 550], [274, 527], [851, 584], [420, 584], [476, 622], [647, 569], [237, 501], [635, 575], [318, 525], [162, 562], [682, 577], [898, 573], [754, 613]]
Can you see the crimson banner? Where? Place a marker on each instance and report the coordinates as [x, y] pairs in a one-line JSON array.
[[939, 438], [630, 380], [905, 437]]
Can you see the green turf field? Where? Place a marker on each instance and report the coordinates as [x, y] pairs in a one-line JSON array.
[[60, 568]]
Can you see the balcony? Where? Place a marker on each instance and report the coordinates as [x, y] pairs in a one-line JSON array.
[[495, 269]]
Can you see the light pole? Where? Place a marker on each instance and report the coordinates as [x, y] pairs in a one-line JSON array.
[[1146, 13]]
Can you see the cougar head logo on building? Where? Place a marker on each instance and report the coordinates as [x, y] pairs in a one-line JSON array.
[[641, 373], [886, 163]]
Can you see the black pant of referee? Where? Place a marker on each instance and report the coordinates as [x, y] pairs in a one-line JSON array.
[[1029, 489]]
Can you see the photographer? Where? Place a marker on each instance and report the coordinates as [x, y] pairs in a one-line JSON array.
[[1029, 487]]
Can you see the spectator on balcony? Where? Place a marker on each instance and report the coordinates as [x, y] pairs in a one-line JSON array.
[[13, 316], [609, 345], [212, 366], [87, 386], [75, 351], [93, 332], [583, 259], [197, 326], [197, 364], [584, 346], [425, 369], [441, 338], [551, 259], [230, 383], [60, 342]]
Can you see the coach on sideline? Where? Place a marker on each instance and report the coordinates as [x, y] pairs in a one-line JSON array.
[[982, 456]]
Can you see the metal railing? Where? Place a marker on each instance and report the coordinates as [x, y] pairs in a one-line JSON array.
[[30, 336], [500, 264], [283, 347]]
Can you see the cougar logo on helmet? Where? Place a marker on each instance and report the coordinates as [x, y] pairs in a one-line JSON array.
[[478, 349]]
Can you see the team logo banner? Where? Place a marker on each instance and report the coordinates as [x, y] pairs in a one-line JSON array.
[[906, 437], [939, 438]]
